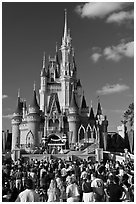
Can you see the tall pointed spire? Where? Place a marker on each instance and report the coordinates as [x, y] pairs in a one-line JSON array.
[[91, 116], [99, 108], [18, 107], [83, 104], [65, 26], [44, 60], [34, 103], [57, 57], [18, 93], [73, 103]]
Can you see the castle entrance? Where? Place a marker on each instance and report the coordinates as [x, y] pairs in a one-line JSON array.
[[55, 144]]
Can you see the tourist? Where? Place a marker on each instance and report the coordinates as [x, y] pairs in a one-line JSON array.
[[72, 190], [114, 190], [53, 192], [28, 195], [98, 187], [87, 189]]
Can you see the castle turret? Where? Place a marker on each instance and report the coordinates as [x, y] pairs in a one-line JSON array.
[[24, 109], [16, 120], [33, 119], [43, 89], [99, 114], [84, 109], [91, 116], [73, 119]]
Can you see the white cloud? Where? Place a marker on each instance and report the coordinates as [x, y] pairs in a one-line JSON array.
[[111, 89], [9, 116], [115, 53], [120, 17], [95, 57], [4, 96], [100, 9]]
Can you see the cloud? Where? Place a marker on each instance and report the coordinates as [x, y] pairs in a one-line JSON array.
[[9, 116], [115, 53], [111, 89], [120, 17], [100, 9], [4, 96], [95, 57]]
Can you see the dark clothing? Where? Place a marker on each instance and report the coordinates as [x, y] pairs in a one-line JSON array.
[[115, 192], [86, 187]]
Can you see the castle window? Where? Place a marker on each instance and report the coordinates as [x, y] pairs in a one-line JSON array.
[[81, 133]]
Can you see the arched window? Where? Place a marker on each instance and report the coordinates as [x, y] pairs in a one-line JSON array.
[[94, 133], [29, 139], [81, 133], [50, 123], [89, 131]]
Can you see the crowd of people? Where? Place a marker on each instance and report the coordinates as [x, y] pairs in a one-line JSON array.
[[57, 180]]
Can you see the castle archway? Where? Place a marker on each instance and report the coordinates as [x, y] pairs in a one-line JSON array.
[[55, 143]]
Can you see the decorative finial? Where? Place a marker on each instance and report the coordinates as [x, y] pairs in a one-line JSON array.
[[56, 47], [18, 92], [34, 86], [73, 52], [44, 59], [98, 98], [69, 32], [91, 103], [65, 28], [83, 93]]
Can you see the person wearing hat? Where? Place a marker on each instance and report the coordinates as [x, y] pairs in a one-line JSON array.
[[28, 195]]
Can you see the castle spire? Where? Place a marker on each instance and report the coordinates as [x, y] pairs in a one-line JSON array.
[[44, 60], [91, 116], [57, 57], [18, 93], [18, 107], [99, 108], [34, 103], [83, 105], [73, 103], [65, 26]]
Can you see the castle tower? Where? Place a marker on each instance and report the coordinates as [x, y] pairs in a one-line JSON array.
[[84, 109], [73, 119], [43, 88], [99, 122], [33, 119], [16, 120]]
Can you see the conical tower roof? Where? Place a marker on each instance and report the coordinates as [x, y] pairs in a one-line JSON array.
[[99, 109], [34, 104], [18, 110], [73, 103], [91, 116], [43, 71], [57, 56], [83, 104]]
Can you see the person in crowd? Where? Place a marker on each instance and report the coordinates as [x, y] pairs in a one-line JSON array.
[[18, 177], [28, 195], [114, 190], [98, 187], [88, 195], [53, 192], [72, 190]]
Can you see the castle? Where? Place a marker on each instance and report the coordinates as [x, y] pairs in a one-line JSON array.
[[61, 119]]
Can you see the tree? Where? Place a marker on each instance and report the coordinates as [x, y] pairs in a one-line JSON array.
[[129, 124], [129, 116]]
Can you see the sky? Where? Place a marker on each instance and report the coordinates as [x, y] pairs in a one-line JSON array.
[[103, 39]]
